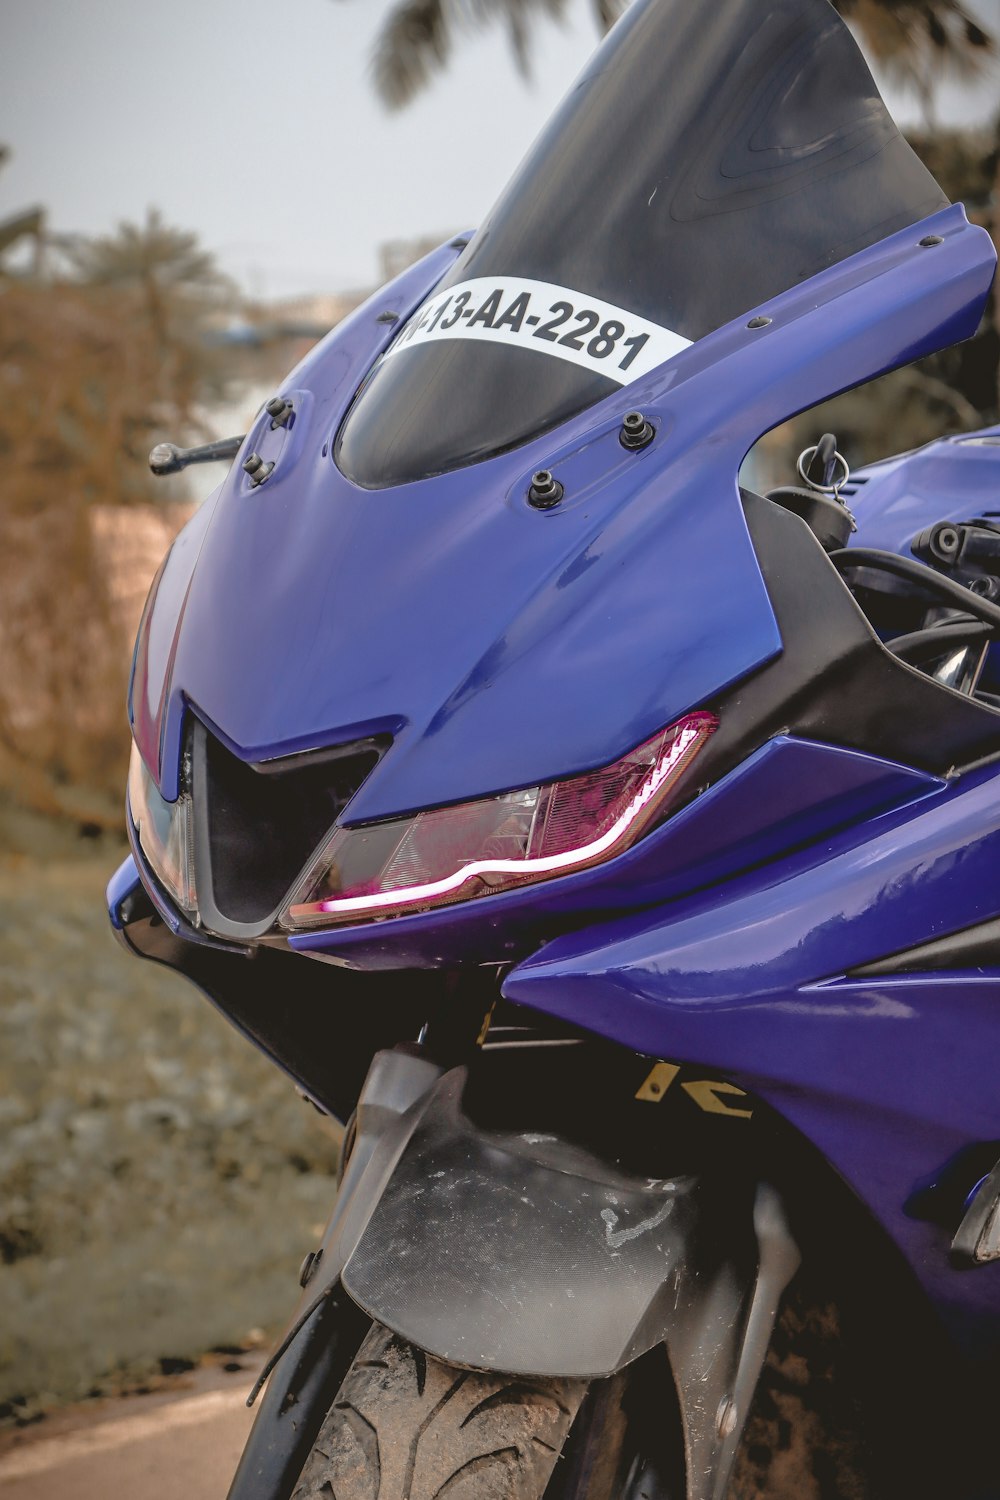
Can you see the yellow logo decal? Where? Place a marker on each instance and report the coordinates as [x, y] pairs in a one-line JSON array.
[[707, 1093]]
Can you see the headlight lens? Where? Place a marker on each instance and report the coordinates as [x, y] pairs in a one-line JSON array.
[[478, 848], [164, 833]]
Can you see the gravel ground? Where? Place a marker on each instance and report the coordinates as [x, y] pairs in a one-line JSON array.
[[159, 1180]]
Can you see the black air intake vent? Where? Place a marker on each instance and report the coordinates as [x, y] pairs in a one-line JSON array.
[[262, 824]]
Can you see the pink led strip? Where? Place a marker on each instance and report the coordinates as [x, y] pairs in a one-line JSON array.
[[691, 732]]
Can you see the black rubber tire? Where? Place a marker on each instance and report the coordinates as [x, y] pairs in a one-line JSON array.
[[405, 1426]]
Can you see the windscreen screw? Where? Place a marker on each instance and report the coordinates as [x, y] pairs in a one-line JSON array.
[[636, 431], [760, 322], [256, 468], [279, 410], [307, 1270], [545, 490], [931, 239]]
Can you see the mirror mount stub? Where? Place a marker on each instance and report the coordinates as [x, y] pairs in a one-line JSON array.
[[167, 458]]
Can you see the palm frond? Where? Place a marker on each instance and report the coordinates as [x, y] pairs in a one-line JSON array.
[[608, 11], [914, 41], [917, 41], [416, 40], [412, 46]]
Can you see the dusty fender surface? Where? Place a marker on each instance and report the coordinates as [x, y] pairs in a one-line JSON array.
[[527, 1254]]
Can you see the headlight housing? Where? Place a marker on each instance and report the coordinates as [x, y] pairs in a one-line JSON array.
[[164, 831], [453, 854]]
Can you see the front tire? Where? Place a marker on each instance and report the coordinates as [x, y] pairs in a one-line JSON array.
[[406, 1426]]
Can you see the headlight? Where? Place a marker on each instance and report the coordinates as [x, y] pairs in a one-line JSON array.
[[478, 848], [164, 833]]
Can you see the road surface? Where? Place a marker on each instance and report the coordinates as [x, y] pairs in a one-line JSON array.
[[180, 1445]]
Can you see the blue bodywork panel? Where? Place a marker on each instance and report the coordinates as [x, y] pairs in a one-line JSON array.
[[890, 1078], [954, 479], [496, 642]]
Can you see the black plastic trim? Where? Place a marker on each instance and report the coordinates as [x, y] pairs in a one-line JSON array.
[[975, 947], [834, 680], [245, 849], [320, 1023]]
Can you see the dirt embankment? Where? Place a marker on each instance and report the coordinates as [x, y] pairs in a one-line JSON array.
[[159, 1180]]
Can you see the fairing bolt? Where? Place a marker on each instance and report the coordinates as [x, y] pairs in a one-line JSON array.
[[256, 468], [636, 431], [545, 490], [279, 410]]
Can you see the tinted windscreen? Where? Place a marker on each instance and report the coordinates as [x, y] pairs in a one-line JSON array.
[[713, 154]]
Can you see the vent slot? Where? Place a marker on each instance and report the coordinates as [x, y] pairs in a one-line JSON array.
[[263, 824]]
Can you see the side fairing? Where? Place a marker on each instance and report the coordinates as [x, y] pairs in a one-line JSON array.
[[774, 981], [499, 645]]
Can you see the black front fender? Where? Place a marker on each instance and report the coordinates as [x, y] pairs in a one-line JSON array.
[[526, 1254]]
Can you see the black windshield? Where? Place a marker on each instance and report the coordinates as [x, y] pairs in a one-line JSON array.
[[713, 154]]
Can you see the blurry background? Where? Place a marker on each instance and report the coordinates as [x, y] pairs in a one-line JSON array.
[[190, 196]]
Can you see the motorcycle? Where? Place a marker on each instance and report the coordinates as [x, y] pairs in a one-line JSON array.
[[612, 848]]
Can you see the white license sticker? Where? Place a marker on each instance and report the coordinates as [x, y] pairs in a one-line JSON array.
[[549, 319]]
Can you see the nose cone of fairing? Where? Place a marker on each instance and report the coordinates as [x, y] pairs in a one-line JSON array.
[[499, 645]]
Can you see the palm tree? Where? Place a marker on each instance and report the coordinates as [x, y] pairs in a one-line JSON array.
[[163, 266], [915, 41]]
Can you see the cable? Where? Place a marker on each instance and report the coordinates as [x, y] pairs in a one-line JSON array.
[[903, 567], [911, 646]]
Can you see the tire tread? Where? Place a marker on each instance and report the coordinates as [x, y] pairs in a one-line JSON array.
[[406, 1426]]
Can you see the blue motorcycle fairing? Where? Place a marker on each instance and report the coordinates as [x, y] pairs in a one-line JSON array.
[[155, 713], [497, 642], [952, 479], [754, 980]]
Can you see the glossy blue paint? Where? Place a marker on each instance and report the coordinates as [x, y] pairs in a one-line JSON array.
[[496, 642], [786, 795], [953, 479], [889, 1078], [329, 374], [123, 883]]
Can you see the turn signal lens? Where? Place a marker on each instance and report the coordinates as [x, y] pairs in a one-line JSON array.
[[164, 833], [479, 848]]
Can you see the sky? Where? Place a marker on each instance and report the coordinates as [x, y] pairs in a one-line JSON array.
[[255, 123]]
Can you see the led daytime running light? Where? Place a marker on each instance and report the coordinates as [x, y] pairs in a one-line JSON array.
[[679, 744]]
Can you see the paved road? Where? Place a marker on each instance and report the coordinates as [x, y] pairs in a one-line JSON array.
[[178, 1446]]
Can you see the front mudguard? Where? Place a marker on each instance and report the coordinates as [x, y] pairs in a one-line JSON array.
[[525, 1254]]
